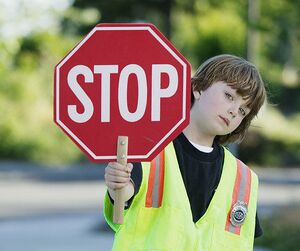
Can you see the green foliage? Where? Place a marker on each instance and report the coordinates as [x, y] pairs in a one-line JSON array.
[[209, 34], [273, 140], [155, 11], [281, 230], [27, 130], [257, 150]]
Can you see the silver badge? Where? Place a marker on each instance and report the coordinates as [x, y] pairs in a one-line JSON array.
[[238, 213]]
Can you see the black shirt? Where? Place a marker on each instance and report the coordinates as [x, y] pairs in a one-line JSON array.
[[201, 173]]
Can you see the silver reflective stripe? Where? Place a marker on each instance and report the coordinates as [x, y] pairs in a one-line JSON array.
[[155, 192], [243, 184]]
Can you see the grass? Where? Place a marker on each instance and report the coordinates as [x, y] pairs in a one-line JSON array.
[[281, 230]]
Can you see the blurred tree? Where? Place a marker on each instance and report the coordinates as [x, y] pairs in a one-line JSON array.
[[158, 11], [279, 47], [27, 130]]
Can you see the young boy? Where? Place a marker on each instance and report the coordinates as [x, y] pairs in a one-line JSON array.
[[196, 195]]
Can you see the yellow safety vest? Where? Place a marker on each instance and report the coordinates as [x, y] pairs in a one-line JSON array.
[[160, 217]]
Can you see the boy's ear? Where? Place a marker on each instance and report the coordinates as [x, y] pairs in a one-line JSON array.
[[197, 94]]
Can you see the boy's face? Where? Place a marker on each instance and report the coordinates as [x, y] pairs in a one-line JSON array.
[[219, 110]]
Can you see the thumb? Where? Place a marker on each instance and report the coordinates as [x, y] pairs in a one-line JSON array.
[[129, 167]]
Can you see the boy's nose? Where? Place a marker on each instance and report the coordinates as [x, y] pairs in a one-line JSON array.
[[232, 111], [232, 114]]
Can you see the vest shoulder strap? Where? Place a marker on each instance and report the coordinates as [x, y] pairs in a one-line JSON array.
[[240, 198], [155, 187]]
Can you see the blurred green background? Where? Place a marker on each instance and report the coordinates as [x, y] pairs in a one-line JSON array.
[[34, 37]]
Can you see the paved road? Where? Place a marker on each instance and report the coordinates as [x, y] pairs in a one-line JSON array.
[[55, 232], [51, 210]]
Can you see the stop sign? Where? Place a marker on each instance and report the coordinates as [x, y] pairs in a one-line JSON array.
[[122, 79]]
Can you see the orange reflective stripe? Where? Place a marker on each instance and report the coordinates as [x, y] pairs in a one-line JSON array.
[[155, 182], [161, 178], [150, 184], [241, 193]]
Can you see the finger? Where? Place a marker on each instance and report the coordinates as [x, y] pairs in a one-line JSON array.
[[129, 167], [117, 173], [117, 166], [116, 179], [114, 185]]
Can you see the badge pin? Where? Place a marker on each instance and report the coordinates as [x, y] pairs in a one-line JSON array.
[[238, 214]]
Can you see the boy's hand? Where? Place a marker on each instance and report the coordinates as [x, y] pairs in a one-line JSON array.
[[117, 176]]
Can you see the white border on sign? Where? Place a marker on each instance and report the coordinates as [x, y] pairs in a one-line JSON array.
[[96, 157]]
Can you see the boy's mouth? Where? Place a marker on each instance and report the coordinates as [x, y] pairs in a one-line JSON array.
[[226, 121]]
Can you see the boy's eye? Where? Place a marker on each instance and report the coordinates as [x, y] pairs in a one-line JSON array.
[[229, 96], [242, 111]]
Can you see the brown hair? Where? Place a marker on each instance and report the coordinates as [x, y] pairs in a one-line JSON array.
[[242, 76]]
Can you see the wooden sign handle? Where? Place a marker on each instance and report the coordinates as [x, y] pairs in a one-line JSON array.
[[119, 202]]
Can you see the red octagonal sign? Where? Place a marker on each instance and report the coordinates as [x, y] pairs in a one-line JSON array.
[[122, 80]]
